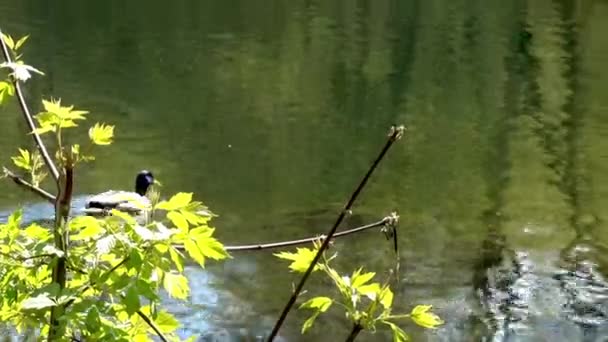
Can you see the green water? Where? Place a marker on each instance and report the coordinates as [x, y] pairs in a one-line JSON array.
[[271, 112]]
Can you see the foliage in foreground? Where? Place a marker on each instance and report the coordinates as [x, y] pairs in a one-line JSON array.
[[115, 265], [365, 303], [91, 278]]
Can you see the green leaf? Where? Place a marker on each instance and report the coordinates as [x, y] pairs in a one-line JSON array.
[[166, 322], [42, 301], [37, 232], [178, 220], [24, 160], [176, 285], [8, 40], [360, 279], [92, 321], [302, 259], [371, 291], [195, 253], [101, 134], [320, 304], [209, 246], [131, 300], [6, 90], [178, 201], [14, 220], [398, 334], [86, 226], [422, 316], [20, 42], [386, 298], [146, 289], [47, 122], [309, 322], [177, 258]]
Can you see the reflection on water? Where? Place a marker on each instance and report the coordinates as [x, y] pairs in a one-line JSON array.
[[271, 114]]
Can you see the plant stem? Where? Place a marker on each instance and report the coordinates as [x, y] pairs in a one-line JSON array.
[[28, 118], [396, 133], [354, 332], [62, 212]]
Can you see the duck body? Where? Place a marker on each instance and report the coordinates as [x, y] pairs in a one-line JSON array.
[[126, 201], [131, 202]]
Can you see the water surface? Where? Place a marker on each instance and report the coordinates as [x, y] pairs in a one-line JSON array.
[[272, 113]]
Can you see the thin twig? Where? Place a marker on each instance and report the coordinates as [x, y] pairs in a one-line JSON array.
[[152, 325], [22, 182], [396, 133], [257, 247], [28, 117]]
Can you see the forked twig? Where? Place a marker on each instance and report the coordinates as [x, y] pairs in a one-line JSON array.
[[395, 134]]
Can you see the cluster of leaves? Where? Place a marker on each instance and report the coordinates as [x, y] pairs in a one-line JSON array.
[[367, 304], [114, 258], [117, 264]]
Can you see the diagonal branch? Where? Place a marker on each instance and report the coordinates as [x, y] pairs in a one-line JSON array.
[[395, 134], [22, 182], [28, 118], [152, 325]]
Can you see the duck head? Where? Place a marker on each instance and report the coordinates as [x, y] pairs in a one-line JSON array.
[[143, 181]]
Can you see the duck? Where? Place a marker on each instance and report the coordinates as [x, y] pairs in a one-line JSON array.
[[134, 203]]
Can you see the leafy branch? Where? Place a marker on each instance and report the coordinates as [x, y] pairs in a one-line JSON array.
[[366, 303], [395, 134]]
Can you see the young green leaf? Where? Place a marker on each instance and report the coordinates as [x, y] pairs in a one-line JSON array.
[[20, 42], [320, 304], [24, 160], [101, 134], [309, 322], [178, 220], [8, 40], [165, 322], [398, 334], [86, 227], [131, 300], [6, 90], [93, 321], [371, 291], [424, 318], [37, 232], [386, 298], [359, 279], [14, 220], [177, 258], [178, 201], [302, 258], [176, 285]]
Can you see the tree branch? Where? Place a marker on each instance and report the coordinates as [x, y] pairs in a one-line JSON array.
[[255, 247], [22, 182], [28, 117], [152, 325], [62, 212], [395, 134]]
